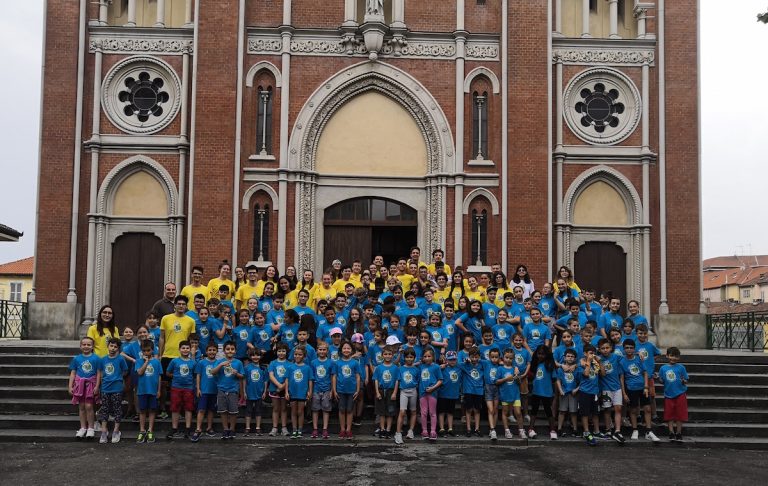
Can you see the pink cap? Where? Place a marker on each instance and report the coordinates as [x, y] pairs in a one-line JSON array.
[[357, 338], [336, 330]]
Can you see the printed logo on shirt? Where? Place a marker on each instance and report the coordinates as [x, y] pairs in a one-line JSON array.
[[279, 320], [176, 327], [321, 372], [407, 377], [386, 376], [425, 375], [289, 335], [204, 332], [643, 353], [501, 334], [243, 335], [436, 335], [492, 373], [545, 306], [264, 336], [671, 376], [474, 374], [255, 376], [280, 371], [634, 370], [335, 356], [379, 357], [453, 376], [184, 370], [341, 321], [109, 369], [614, 324], [568, 376], [519, 359], [491, 313], [535, 334], [346, 371], [149, 371], [228, 371], [298, 375], [87, 367], [539, 374], [208, 371], [608, 368]]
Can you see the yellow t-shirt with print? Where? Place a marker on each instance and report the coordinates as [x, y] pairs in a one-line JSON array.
[[100, 342], [245, 292], [321, 293], [340, 284], [475, 295], [440, 296], [260, 286], [215, 283], [405, 281], [433, 270], [174, 330], [190, 291], [291, 300]]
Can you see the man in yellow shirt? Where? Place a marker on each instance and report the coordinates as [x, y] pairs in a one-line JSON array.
[[324, 291], [249, 289], [346, 277], [357, 270], [403, 276], [438, 265], [196, 287], [175, 328], [225, 272], [415, 255]]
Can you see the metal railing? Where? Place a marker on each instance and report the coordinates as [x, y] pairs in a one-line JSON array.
[[14, 319], [744, 331]]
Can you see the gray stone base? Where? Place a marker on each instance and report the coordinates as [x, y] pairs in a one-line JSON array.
[[687, 331], [54, 320]]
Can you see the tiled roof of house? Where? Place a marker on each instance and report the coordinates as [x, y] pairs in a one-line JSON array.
[[735, 261], [759, 279], [9, 234], [731, 276], [733, 308], [19, 267]]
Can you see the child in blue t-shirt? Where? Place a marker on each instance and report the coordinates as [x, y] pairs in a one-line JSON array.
[[503, 331], [83, 370], [261, 335], [111, 371], [635, 383], [567, 387], [205, 391], [448, 394], [278, 374], [522, 363], [385, 379], [487, 344], [542, 391], [346, 385], [610, 389], [181, 371], [490, 389], [472, 385], [241, 335], [536, 333], [255, 390], [589, 388], [408, 384], [229, 375], [149, 385], [675, 379], [299, 389], [430, 380], [507, 379], [322, 370]]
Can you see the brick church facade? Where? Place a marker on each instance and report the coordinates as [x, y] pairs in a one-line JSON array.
[[544, 132]]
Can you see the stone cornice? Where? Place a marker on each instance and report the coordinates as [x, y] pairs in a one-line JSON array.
[[603, 52], [123, 40]]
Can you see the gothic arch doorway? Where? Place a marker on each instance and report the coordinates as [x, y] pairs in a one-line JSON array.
[[602, 266], [360, 228]]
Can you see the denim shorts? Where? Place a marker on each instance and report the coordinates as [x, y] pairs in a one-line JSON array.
[[491, 393]]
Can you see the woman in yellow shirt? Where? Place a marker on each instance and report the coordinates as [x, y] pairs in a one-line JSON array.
[[270, 275], [225, 272], [457, 289], [103, 329], [474, 292], [566, 274]]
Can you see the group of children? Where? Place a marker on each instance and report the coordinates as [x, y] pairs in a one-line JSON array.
[[406, 352]]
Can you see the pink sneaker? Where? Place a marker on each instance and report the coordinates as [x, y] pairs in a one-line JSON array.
[[342, 434], [433, 437], [314, 434], [325, 433], [349, 435]]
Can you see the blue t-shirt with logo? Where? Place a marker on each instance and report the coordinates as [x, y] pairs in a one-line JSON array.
[[85, 366], [612, 367], [490, 312], [589, 384], [633, 373], [489, 372], [502, 335], [559, 353], [386, 375], [449, 331], [112, 372], [672, 375], [474, 325], [647, 351], [547, 306], [288, 334], [241, 334], [299, 376], [149, 381], [374, 355], [261, 337], [569, 380], [310, 355], [472, 378], [204, 368], [610, 320], [347, 372], [322, 371], [279, 369], [409, 377], [204, 330], [182, 371], [429, 376], [275, 317], [436, 334], [227, 380], [154, 334], [485, 350], [542, 381], [509, 391], [451, 383], [522, 358], [255, 379], [536, 335]]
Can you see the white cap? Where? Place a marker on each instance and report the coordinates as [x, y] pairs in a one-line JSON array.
[[392, 340]]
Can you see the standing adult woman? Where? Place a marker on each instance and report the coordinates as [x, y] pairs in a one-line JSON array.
[[523, 279], [102, 330]]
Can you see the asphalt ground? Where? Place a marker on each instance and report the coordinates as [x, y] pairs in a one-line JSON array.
[[358, 465]]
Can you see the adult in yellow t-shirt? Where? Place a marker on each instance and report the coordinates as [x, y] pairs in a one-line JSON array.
[[196, 287], [225, 272], [102, 330], [175, 328], [325, 291], [437, 256], [248, 290]]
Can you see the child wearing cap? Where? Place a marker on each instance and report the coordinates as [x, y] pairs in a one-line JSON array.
[[334, 348], [448, 394]]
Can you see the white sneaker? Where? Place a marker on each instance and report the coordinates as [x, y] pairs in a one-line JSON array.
[[527, 419], [652, 437], [635, 435], [511, 418], [273, 432], [523, 435], [80, 433], [116, 437], [89, 434], [409, 435], [493, 435], [626, 423], [104, 437], [97, 427], [285, 432], [398, 438], [552, 435], [532, 434], [508, 434]]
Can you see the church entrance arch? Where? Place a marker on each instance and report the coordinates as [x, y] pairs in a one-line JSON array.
[[361, 228]]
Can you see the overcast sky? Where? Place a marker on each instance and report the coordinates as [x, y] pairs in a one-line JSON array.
[[734, 125]]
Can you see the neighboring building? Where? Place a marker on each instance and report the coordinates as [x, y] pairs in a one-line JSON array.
[[736, 279], [281, 131], [9, 234], [16, 279]]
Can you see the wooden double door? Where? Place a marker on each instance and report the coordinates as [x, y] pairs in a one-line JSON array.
[[602, 266], [349, 243], [136, 282]]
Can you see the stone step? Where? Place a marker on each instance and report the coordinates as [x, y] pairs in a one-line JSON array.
[[723, 415], [698, 389], [69, 348], [23, 359], [726, 430], [725, 379], [724, 401], [35, 380], [35, 405], [721, 357], [722, 368], [42, 392], [33, 369]]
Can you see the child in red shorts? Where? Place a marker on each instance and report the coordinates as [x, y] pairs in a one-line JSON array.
[[181, 370], [675, 379]]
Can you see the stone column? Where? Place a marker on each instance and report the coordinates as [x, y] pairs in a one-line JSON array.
[[585, 19], [160, 16], [613, 13], [131, 14]]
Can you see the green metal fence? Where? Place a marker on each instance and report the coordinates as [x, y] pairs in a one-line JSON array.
[[14, 319], [746, 331]]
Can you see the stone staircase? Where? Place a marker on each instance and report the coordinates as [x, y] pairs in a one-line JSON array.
[[727, 397]]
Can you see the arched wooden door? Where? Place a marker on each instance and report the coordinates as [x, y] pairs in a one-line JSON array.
[[137, 276], [601, 266], [359, 229]]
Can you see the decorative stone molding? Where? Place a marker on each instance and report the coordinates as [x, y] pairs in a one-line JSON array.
[[627, 93], [114, 83], [480, 192], [261, 45], [604, 57], [484, 50], [482, 71], [259, 186], [320, 107], [123, 45], [128, 167], [615, 179], [263, 66]]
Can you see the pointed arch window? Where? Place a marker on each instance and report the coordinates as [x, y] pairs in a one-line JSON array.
[[480, 125], [264, 121], [479, 237], [261, 232]]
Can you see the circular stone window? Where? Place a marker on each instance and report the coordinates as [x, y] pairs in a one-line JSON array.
[[141, 95], [602, 106]]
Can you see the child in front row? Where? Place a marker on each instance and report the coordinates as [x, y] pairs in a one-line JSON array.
[[112, 369], [278, 374], [82, 386], [589, 389], [542, 391], [322, 368], [385, 381], [635, 383], [408, 385], [472, 386], [149, 370], [448, 394], [346, 384], [255, 390], [299, 389], [567, 387], [430, 380], [675, 379], [507, 379], [206, 391], [229, 374]]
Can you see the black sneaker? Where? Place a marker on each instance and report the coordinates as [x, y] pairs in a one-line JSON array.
[[225, 435], [477, 433], [381, 434], [441, 433], [171, 435], [469, 433], [377, 433], [617, 437], [679, 437], [563, 433], [672, 437], [195, 437], [210, 433], [387, 434], [451, 433]]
